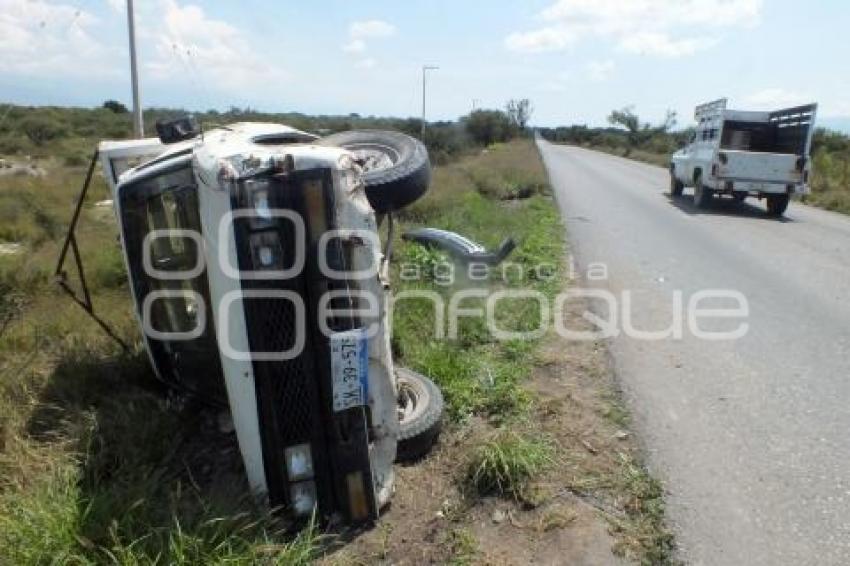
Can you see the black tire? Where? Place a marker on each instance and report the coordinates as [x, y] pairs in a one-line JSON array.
[[702, 194], [420, 414], [397, 168], [676, 186], [777, 204]]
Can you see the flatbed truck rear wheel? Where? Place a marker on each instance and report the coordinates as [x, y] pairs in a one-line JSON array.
[[777, 204]]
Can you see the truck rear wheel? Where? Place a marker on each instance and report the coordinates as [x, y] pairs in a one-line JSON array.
[[702, 194], [676, 186], [396, 168], [776, 204]]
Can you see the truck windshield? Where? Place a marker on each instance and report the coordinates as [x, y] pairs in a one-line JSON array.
[[169, 201]]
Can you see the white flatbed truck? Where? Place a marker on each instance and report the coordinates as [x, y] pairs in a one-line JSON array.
[[742, 153]]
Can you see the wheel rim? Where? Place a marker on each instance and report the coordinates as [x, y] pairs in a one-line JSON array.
[[408, 400], [412, 400], [374, 156]]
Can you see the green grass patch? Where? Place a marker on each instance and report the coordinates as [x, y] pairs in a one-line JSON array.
[[479, 372], [464, 547], [506, 464], [645, 514]]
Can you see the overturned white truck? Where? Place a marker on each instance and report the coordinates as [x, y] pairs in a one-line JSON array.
[[257, 273], [746, 153]]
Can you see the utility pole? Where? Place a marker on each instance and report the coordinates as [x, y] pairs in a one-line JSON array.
[[474, 104], [425, 69], [138, 122]]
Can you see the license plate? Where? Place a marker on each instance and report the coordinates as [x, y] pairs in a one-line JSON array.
[[349, 369]]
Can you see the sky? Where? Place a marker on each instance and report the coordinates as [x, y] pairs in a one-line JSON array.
[[576, 60]]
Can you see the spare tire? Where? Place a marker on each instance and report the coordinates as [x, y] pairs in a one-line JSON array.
[[396, 169], [420, 414]]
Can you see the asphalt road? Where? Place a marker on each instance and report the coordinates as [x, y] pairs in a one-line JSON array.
[[751, 437]]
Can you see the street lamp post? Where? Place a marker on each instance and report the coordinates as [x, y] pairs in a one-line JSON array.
[[425, 69], [138, 123]]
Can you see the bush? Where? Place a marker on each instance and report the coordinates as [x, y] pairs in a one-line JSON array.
[[41, 129], [108, 270], [487, 127], [115, 106], [505, 464]]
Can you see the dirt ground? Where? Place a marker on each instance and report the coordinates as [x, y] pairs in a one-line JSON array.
[[585, 511]]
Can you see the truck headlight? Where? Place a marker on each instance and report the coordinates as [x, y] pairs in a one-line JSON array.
[[299, 462], [266, 251], [257, 196], [260, 198]]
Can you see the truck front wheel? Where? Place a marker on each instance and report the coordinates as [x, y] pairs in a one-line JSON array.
[[776, 205], [420, 413], [702, 194]]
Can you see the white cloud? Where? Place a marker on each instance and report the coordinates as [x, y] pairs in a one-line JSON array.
[[773, 98], [38, 38], [654, 43], [370, 28], [190, 41], [359, 32], [119, 6], [354, 46], [599, 71], [654, 27], [544, 39]]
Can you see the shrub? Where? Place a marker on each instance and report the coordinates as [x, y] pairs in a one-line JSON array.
[[108, 269], [41, 129], [505, 464], [487, 127], [115, 106]]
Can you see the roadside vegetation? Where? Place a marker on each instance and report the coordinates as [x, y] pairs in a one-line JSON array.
[[99, 465], [67, 136], [629, 137], [505, 464]]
